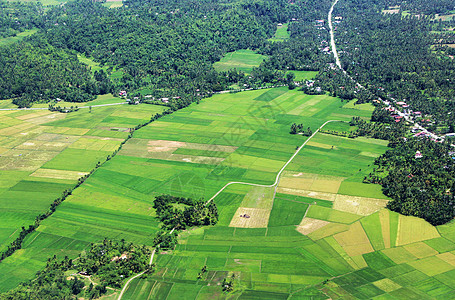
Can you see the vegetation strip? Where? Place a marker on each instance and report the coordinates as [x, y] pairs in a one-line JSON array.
[[17, 244]]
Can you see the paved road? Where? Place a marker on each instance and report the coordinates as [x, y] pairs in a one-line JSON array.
[[332, 38], [277, 179], [134, 277]]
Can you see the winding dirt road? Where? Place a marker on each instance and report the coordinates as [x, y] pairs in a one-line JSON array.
[[135, 276], [277, 179]]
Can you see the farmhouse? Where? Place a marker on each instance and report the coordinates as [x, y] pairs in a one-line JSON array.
[[418, 155]]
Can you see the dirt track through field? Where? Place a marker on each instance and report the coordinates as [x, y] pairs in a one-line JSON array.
[[277, 179]]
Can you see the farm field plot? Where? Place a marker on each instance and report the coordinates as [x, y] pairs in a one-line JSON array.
[[321, 222], [42, 153], [281, 33], [242, 60]]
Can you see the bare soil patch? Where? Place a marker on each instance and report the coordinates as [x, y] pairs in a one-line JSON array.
[[309, 225]]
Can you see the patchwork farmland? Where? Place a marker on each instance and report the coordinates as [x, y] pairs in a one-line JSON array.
[[44, 153], [321, 233], [242, 60]]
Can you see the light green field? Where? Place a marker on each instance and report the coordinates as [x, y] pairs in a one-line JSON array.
[[304, 75], [18, 37], [100, 100], [113, 4], [242, 60], [281, 33], [248, 134]]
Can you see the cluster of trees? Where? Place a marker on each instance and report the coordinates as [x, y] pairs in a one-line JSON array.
[[419, 186], [16, 17], [378, 129], [167, 47], [41, 73], [228, 284], [298, 128], [52, 107], [104, 261], [111, 262], [179, 213]]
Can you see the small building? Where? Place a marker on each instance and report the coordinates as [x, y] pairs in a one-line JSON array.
[[122, 93], [418, 155]]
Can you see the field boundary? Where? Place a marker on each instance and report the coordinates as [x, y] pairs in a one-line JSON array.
[[277, 179], [135, 276]]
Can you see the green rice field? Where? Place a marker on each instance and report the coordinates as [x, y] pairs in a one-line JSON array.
[[281, 33], [242, 60], [321, 234], [43, 153]]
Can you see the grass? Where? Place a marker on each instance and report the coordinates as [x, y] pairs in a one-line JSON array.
[[281, 33], [372, 255], [242, 60], [303, 75], [18, 37]]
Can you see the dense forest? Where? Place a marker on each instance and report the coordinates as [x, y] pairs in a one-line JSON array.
[[420, 178], [168, 47], [41, 73], [179, 213], [15, 17], [391, 56]]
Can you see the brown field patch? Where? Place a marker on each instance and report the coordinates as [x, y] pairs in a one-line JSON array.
[[309, 225], [358, 205], [354, 241], [210, 147], [447, 257], [30, 145], [296, 183], [58, 174], [450, 45], [195, 159], [164, 143], [322, 185], [258, 218], [306, 193], [160, 149], [33, 115], [320, 145], [47, 118]]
